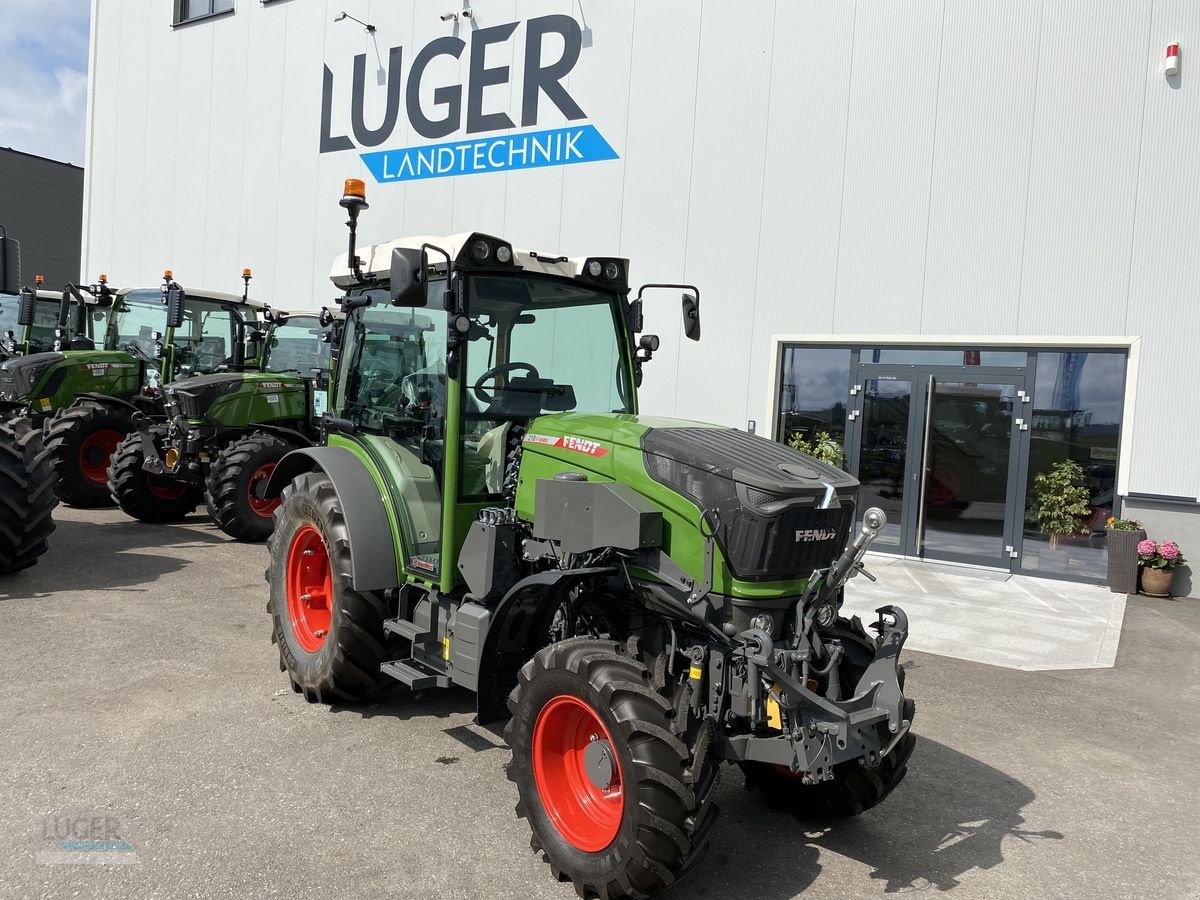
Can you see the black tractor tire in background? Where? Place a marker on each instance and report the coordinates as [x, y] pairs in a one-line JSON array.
[[853, 789], [569, 695], [330, 636], [142, 495], [27, 497], [239, 469], [80, 439]]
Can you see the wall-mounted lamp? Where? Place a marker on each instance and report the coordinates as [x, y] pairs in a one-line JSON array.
[[346, 15], [1171, 62]]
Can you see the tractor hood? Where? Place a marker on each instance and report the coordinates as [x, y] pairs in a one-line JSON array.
[[196, 395], [778, 513], [19, 374]]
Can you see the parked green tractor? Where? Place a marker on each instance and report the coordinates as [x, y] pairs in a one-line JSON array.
[[36, 322], [88, 398], [646, 598], [225, 432]]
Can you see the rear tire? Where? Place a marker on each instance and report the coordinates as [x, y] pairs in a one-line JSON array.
[[330, 636], [142, 495], [26, 496], [238, 469], [81, 439], [854, 788], [631, 845]]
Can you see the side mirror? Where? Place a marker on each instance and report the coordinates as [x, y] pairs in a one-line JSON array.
[[27, 308], [175, 301], [326, 317], [691, 317], [407, 278], [10, 263]]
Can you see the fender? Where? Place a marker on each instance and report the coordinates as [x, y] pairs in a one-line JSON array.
[[514, 633], [374, 559]]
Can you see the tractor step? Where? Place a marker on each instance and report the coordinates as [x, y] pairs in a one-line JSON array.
[[406, 629], [414, 674]]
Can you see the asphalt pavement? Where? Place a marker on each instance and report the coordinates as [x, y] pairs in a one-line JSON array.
[[150, 747]]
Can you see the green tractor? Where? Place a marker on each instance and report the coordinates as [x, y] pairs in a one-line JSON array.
[[225, 432], [86, 400], [644, 598]]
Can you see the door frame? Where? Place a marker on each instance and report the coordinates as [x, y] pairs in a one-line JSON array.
[[919, 375]]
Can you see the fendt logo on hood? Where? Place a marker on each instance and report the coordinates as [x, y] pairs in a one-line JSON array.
[[815, 534], [540, 80]]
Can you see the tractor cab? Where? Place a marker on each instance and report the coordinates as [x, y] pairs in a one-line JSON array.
[[453, 345], [39, 321]]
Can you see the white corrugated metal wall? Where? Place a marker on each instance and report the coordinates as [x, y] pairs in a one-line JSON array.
[[899, 166]]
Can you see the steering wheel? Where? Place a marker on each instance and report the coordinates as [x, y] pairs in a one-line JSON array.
[[484, 396]]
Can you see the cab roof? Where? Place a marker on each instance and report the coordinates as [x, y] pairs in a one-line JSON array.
[[377, 259], [203, 294]]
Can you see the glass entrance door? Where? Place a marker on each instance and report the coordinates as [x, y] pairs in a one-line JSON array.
[[969, 446], [938, 451]]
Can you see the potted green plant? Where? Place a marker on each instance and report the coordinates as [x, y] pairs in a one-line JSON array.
[[1158, 563], [1061, 496], [822, 447], [1123, 537]]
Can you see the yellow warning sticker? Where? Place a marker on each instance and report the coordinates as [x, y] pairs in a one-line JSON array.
[[695, 672], [446, 648], [45, 401], [774, 719]]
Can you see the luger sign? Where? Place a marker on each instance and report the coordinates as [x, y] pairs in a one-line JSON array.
[[461, 108]]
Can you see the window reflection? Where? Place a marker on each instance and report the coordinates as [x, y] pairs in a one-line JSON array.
[[1077, 405], [816, 382]]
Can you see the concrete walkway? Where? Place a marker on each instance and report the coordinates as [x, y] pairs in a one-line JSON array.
[[1033, 624]]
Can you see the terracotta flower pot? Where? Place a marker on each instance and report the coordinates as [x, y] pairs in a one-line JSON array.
[[1157, 582]]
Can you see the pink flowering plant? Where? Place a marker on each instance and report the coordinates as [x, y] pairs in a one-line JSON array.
[[1166, 555]]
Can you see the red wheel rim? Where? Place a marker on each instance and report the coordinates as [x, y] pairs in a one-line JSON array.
[[309, 588], [587, 815], [94, 452], [165, 488], [263, 506]]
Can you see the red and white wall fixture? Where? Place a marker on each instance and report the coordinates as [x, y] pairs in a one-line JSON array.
[[1170, 65]]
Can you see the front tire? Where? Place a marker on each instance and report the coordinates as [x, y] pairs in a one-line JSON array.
[[616, 801], [330, 636], [143, 495], [235, 480], [81, 439], [27, 497]]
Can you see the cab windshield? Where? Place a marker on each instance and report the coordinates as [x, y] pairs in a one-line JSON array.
[[295, 346], [45, 320], [135, 317]]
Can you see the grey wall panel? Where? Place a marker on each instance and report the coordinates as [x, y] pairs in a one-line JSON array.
[[725, 199], [41, 205], [657, 161], [1083, 170], [884, 221], [802, 167], [985, 109], [1165, 264]]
